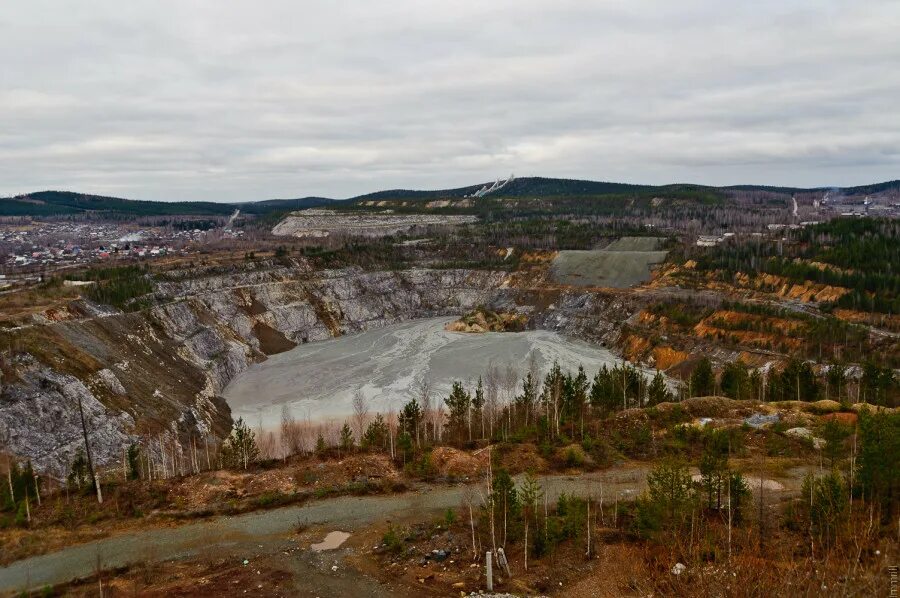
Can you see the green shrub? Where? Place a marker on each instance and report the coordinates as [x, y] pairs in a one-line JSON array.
[[878, 475], [392, 540], [270, 499], [120, 287], [636, 440], [449, 517], [670, 485], [22, 515], [572, 513], [421, 467], [575, 457], [826, 504], [587, 443]]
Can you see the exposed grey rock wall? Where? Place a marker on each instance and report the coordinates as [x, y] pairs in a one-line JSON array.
[[160, 371], [41, 420], [590, 316]]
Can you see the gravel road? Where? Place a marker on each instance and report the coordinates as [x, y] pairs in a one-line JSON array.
[[272, 531]]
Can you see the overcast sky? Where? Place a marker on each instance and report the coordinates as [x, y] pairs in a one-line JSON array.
[[238, 100]]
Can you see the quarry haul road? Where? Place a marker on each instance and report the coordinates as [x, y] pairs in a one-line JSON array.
[[272, 531]]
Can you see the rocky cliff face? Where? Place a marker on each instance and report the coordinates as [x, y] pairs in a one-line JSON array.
[[593, 316], [160, 372]]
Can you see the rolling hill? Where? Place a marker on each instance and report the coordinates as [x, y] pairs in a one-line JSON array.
[[63, 203]]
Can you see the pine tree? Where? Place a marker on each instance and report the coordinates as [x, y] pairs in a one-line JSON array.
[[603, 396], [78, 472], [410, 418], [797, 382], [878, 476], [526, 401], [133, 457], [240, 449], [458, 411], [827, 506], [714, 471], [376, 434], [835, 435], [505, 498], [580, 389], [404, 446], [658, 392], [346, 437], [669, 494], [703, 379], [735, 380], [478, 406]]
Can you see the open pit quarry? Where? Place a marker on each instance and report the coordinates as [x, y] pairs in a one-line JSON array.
[[161, 373]]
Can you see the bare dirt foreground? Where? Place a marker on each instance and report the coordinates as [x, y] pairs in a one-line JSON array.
[[268, 552]]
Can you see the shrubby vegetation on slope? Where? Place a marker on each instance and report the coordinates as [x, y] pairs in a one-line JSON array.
[[119, 286], [860, 254]]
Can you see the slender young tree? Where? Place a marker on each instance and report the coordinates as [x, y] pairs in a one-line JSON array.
[[5, 435], [360, 414], [478, 405], [87, 449], [530, 494]]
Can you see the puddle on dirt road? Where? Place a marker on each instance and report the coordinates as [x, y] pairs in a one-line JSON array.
[[332, 540]]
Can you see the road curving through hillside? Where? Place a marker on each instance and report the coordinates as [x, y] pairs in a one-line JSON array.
[[272, 531]]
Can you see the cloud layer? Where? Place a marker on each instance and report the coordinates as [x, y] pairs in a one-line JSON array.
[[203, 99]]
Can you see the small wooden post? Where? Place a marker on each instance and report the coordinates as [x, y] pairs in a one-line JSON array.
[[489, 571]]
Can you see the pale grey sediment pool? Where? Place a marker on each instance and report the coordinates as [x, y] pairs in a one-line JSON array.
[[317, 380]]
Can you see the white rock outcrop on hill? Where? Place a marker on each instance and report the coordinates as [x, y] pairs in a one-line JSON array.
[[318, 223]]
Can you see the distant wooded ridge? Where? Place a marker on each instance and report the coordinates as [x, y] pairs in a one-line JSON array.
[[56, 203]]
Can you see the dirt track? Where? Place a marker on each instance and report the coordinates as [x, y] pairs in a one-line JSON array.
[[273, 532]]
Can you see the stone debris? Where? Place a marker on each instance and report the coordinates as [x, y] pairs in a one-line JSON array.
[[807, 434], [758, 420]]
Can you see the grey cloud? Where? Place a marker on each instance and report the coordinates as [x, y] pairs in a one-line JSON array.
[[249, 100]]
